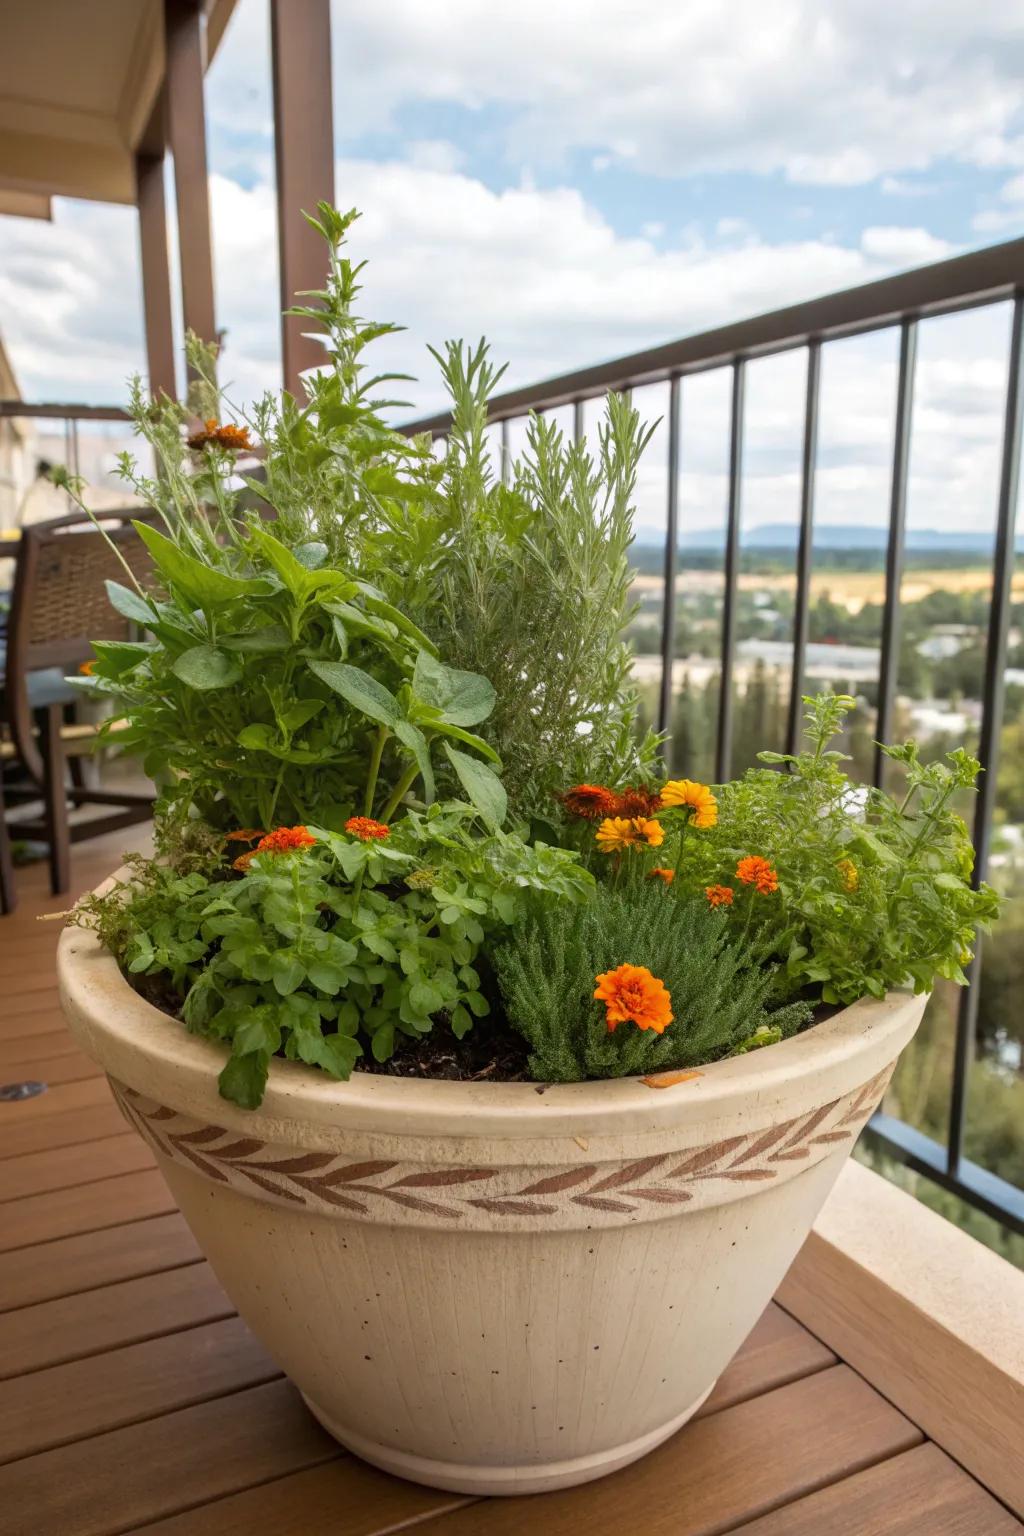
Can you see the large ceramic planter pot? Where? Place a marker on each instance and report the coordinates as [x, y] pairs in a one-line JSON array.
[[495, 1288]]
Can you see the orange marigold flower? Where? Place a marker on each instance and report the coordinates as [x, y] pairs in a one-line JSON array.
[[228, 436], [651, 831], [88, 667], [848, 874], [244, 835], [285, 840], [617, 833], [590, 802], [697, 796], [638, 801], [243, 861], [632, 995], [720, 895], [668, 875], [759, 873], [366, 829]]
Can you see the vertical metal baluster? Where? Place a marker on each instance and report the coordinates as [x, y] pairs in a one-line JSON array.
[[505, 466], [889, 664], [577, 420], [993, 698], [668, 607], [723, 747], [805, 547]]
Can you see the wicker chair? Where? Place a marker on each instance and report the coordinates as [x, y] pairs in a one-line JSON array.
[[59, 607]]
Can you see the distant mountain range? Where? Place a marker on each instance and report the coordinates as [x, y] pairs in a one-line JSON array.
[[784, 536]]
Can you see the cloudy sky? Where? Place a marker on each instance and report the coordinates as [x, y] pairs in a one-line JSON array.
[[579, 180]]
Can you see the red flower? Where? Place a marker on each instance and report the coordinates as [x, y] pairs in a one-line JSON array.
[[285, 840], [638, 801], [366, 829], [719, 895], [591, 802]]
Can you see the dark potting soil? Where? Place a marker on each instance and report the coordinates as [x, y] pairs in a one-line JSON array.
[[490, 1052]]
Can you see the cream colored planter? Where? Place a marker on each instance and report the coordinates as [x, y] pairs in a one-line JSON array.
[[495, 1288]]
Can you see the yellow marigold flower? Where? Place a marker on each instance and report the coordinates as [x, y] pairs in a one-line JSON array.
[[617, 833], [848, 874], [697, 796], [632, 995], [759, 873]]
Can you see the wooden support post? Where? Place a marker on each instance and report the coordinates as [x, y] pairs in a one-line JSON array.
[[304, 148], [186, 123], [156, 276]]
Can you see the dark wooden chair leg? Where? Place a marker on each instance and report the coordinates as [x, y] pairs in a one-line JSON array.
[[8, 891], [76, 768], [58, 831]]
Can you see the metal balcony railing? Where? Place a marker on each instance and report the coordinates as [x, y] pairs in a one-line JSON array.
[[982, 278]]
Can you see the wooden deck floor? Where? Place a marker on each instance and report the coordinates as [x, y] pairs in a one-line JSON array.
[[132, 1397]]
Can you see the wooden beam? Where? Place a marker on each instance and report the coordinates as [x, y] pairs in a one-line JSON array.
[[26, 205], [156, 275], [186, 123], [304, 148], [927, 1315]]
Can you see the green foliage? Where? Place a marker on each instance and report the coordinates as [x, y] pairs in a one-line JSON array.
[[720, 987], [900, 912], [273, 654], [271, 681], [528, 584], [324, 952]]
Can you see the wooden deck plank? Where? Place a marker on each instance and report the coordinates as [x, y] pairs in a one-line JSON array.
[[343, 1497], [109, 1317], [75, 1264], [348, 1499], [72, 1402], [73, 1067], [778, 1351], [36, 1048], [55, 1101], [115, 1482], [720, 1470], [66, 1167], [80, 1126], [921, 1493], [85, 1208]]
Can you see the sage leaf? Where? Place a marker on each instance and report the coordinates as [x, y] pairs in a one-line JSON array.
[[485, 790], [204, 667]]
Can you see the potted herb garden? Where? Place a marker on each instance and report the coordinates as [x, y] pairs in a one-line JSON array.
[[499, 1075]]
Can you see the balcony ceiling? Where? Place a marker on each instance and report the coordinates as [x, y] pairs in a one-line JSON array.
[[79, 80]]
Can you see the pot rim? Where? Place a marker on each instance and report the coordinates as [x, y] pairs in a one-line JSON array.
[[144, 1047]]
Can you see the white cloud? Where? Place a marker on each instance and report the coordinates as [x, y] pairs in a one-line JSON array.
[[838, 95], [903, 247], [899, 186]]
